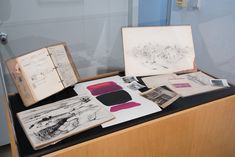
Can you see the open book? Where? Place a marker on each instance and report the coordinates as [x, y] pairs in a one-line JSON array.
[[48, 124], [43, 72]]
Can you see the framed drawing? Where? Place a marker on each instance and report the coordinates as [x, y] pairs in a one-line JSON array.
[[157, 50]]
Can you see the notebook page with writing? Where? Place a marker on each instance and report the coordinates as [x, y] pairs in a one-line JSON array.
[[63, 65], [40, 73]]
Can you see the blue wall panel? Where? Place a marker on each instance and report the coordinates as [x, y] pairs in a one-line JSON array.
[[152, 12]]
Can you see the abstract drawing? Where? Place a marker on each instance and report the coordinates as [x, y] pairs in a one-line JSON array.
[[157, 50]]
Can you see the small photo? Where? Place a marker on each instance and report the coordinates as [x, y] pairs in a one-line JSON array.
[[161, 96], [219, 82], [129, 79], [135, 85]]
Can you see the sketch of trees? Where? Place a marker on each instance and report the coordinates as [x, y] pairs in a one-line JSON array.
[[153, 55]]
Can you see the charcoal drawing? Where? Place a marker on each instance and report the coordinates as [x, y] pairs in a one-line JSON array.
[[154, 56], [61, 119], [157, 50]]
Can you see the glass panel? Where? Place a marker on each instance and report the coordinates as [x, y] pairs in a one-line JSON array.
[[214, 34], [90, 28]]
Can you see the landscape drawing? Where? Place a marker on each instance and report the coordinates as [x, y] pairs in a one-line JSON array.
[[50, 123], [157, 50]]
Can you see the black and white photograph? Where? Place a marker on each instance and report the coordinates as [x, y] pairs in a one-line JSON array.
[[157, 50], [135, 86], [129, 79], [162, 96], [219, 82], [53, 122]]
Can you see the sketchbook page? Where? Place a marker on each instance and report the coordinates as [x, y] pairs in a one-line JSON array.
[[158, 80], [64, 67], [192, 84], [46, 125], [123, 103], [40, 73], [157, 50]]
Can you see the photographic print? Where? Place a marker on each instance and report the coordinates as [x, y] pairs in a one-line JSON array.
[[53, 122], [157, 50], [219, 82], [162, 96], [129, 79], [135, 86]]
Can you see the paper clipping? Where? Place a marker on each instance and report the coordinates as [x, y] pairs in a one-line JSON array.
[[162, 96]]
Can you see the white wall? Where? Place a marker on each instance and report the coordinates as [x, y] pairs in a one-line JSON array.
[[214, 35]]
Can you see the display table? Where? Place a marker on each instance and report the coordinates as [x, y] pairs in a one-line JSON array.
[[200, 125]]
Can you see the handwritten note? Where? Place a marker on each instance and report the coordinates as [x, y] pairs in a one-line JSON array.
[[40, 73], [64, 68]]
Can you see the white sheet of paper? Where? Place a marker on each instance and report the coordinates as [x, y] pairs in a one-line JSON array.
[[40, 73], [146, 107], [157, 50], [198, 81], [158, 80]]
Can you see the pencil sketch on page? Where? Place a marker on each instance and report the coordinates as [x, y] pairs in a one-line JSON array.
[[63, 65], [52, 122], [40, 73], [157, 50]]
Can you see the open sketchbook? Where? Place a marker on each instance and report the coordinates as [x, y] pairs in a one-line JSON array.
[[43, 72], [48, 124]]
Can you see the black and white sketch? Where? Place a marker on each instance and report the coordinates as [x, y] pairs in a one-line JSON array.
[[50, 123], [157, 50], [197, 80]]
